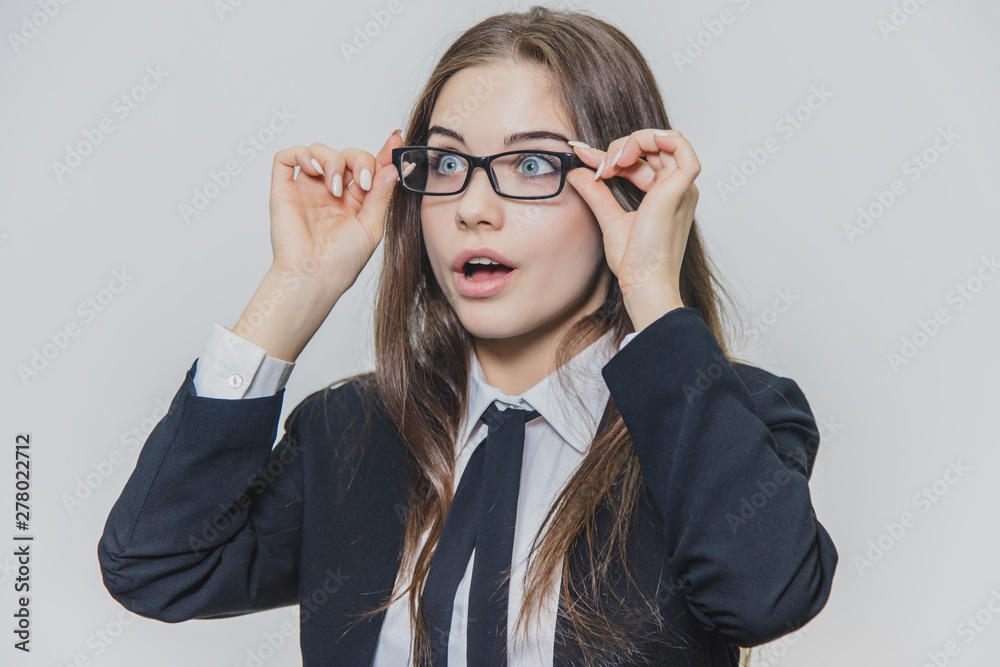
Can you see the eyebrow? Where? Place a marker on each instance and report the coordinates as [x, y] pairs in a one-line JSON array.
[[508, 140]]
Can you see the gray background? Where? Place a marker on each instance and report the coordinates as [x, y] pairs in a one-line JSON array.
[[888, 433]]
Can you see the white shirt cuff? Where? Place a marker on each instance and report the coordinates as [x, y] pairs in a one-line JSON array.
[[626, 340], [232, 367]]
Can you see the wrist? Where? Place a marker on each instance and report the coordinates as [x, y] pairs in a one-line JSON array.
[[645, 309], [284, 314]]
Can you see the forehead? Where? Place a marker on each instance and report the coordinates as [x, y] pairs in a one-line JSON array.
[[484, 104]]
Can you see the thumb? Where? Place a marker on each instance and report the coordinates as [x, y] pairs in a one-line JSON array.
[[597, 194], [373, 209]]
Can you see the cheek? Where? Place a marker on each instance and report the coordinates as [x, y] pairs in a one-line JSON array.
[[429, 232], [436, 245], [575, 238]]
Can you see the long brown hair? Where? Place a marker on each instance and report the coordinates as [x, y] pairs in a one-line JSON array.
[[422, 349]]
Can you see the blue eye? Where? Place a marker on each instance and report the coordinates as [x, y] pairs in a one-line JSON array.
[[538, 165], [447, 164]]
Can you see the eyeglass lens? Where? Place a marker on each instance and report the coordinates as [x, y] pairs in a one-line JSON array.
[[523, 174]]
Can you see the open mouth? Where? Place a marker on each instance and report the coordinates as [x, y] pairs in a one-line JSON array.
[[480, 273]]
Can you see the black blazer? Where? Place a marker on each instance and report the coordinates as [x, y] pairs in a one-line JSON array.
[[214, 523]]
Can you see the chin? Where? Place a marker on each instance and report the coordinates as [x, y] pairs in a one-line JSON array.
[[490, 327]]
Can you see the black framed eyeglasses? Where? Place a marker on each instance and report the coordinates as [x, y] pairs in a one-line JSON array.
[[529, 174]]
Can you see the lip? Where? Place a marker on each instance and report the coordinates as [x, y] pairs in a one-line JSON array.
[[481, 289], [459, 264]]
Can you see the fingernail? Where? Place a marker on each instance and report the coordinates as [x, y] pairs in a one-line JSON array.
[[317, 166], [366, 179], [665, 133], [338, 185], [599, 170], [398, 131], [578, 143], [620, 151]]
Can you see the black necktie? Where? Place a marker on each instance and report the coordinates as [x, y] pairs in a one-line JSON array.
[[482, 516]]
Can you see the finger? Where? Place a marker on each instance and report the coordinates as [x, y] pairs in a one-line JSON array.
[[384, 156], [687, 164], [591, 156], [360, 167], [663, 149], [333, 164], [641, 173], [627, 151], [307, 162], [681, 150], [597, 195], [376, 201], [285, 161]]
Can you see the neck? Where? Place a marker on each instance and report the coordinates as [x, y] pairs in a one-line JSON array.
[[514, 365]]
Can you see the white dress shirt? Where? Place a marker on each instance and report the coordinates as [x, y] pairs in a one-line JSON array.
[[232, 367]]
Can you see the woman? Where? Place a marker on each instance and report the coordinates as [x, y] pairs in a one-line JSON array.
[[662, 518]]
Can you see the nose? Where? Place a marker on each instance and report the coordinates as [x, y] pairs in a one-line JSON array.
[[479, 202]]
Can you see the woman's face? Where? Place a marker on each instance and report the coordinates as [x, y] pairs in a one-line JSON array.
[[554, 244]]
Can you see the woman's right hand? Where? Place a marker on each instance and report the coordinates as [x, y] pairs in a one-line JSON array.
[[323, 231]]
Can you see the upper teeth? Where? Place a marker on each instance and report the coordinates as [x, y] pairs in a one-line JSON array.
[[482, 260]]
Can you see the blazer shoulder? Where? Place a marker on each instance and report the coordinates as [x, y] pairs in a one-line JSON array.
[[767, 388], [339, 403], [783, 407]]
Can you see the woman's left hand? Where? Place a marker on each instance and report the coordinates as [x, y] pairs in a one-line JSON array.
[[644, 248]]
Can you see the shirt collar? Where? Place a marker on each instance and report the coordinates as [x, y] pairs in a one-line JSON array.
[[548, 398]]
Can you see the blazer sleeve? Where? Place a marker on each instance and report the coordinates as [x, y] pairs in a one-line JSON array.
[[209, 523], [728, 467]]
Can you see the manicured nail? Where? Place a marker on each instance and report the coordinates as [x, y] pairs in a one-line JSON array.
[[665, 133], [317, 166], [398, 131], [578, 143], [620, 151], [338, 185], [366, 179], [599, 170]]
